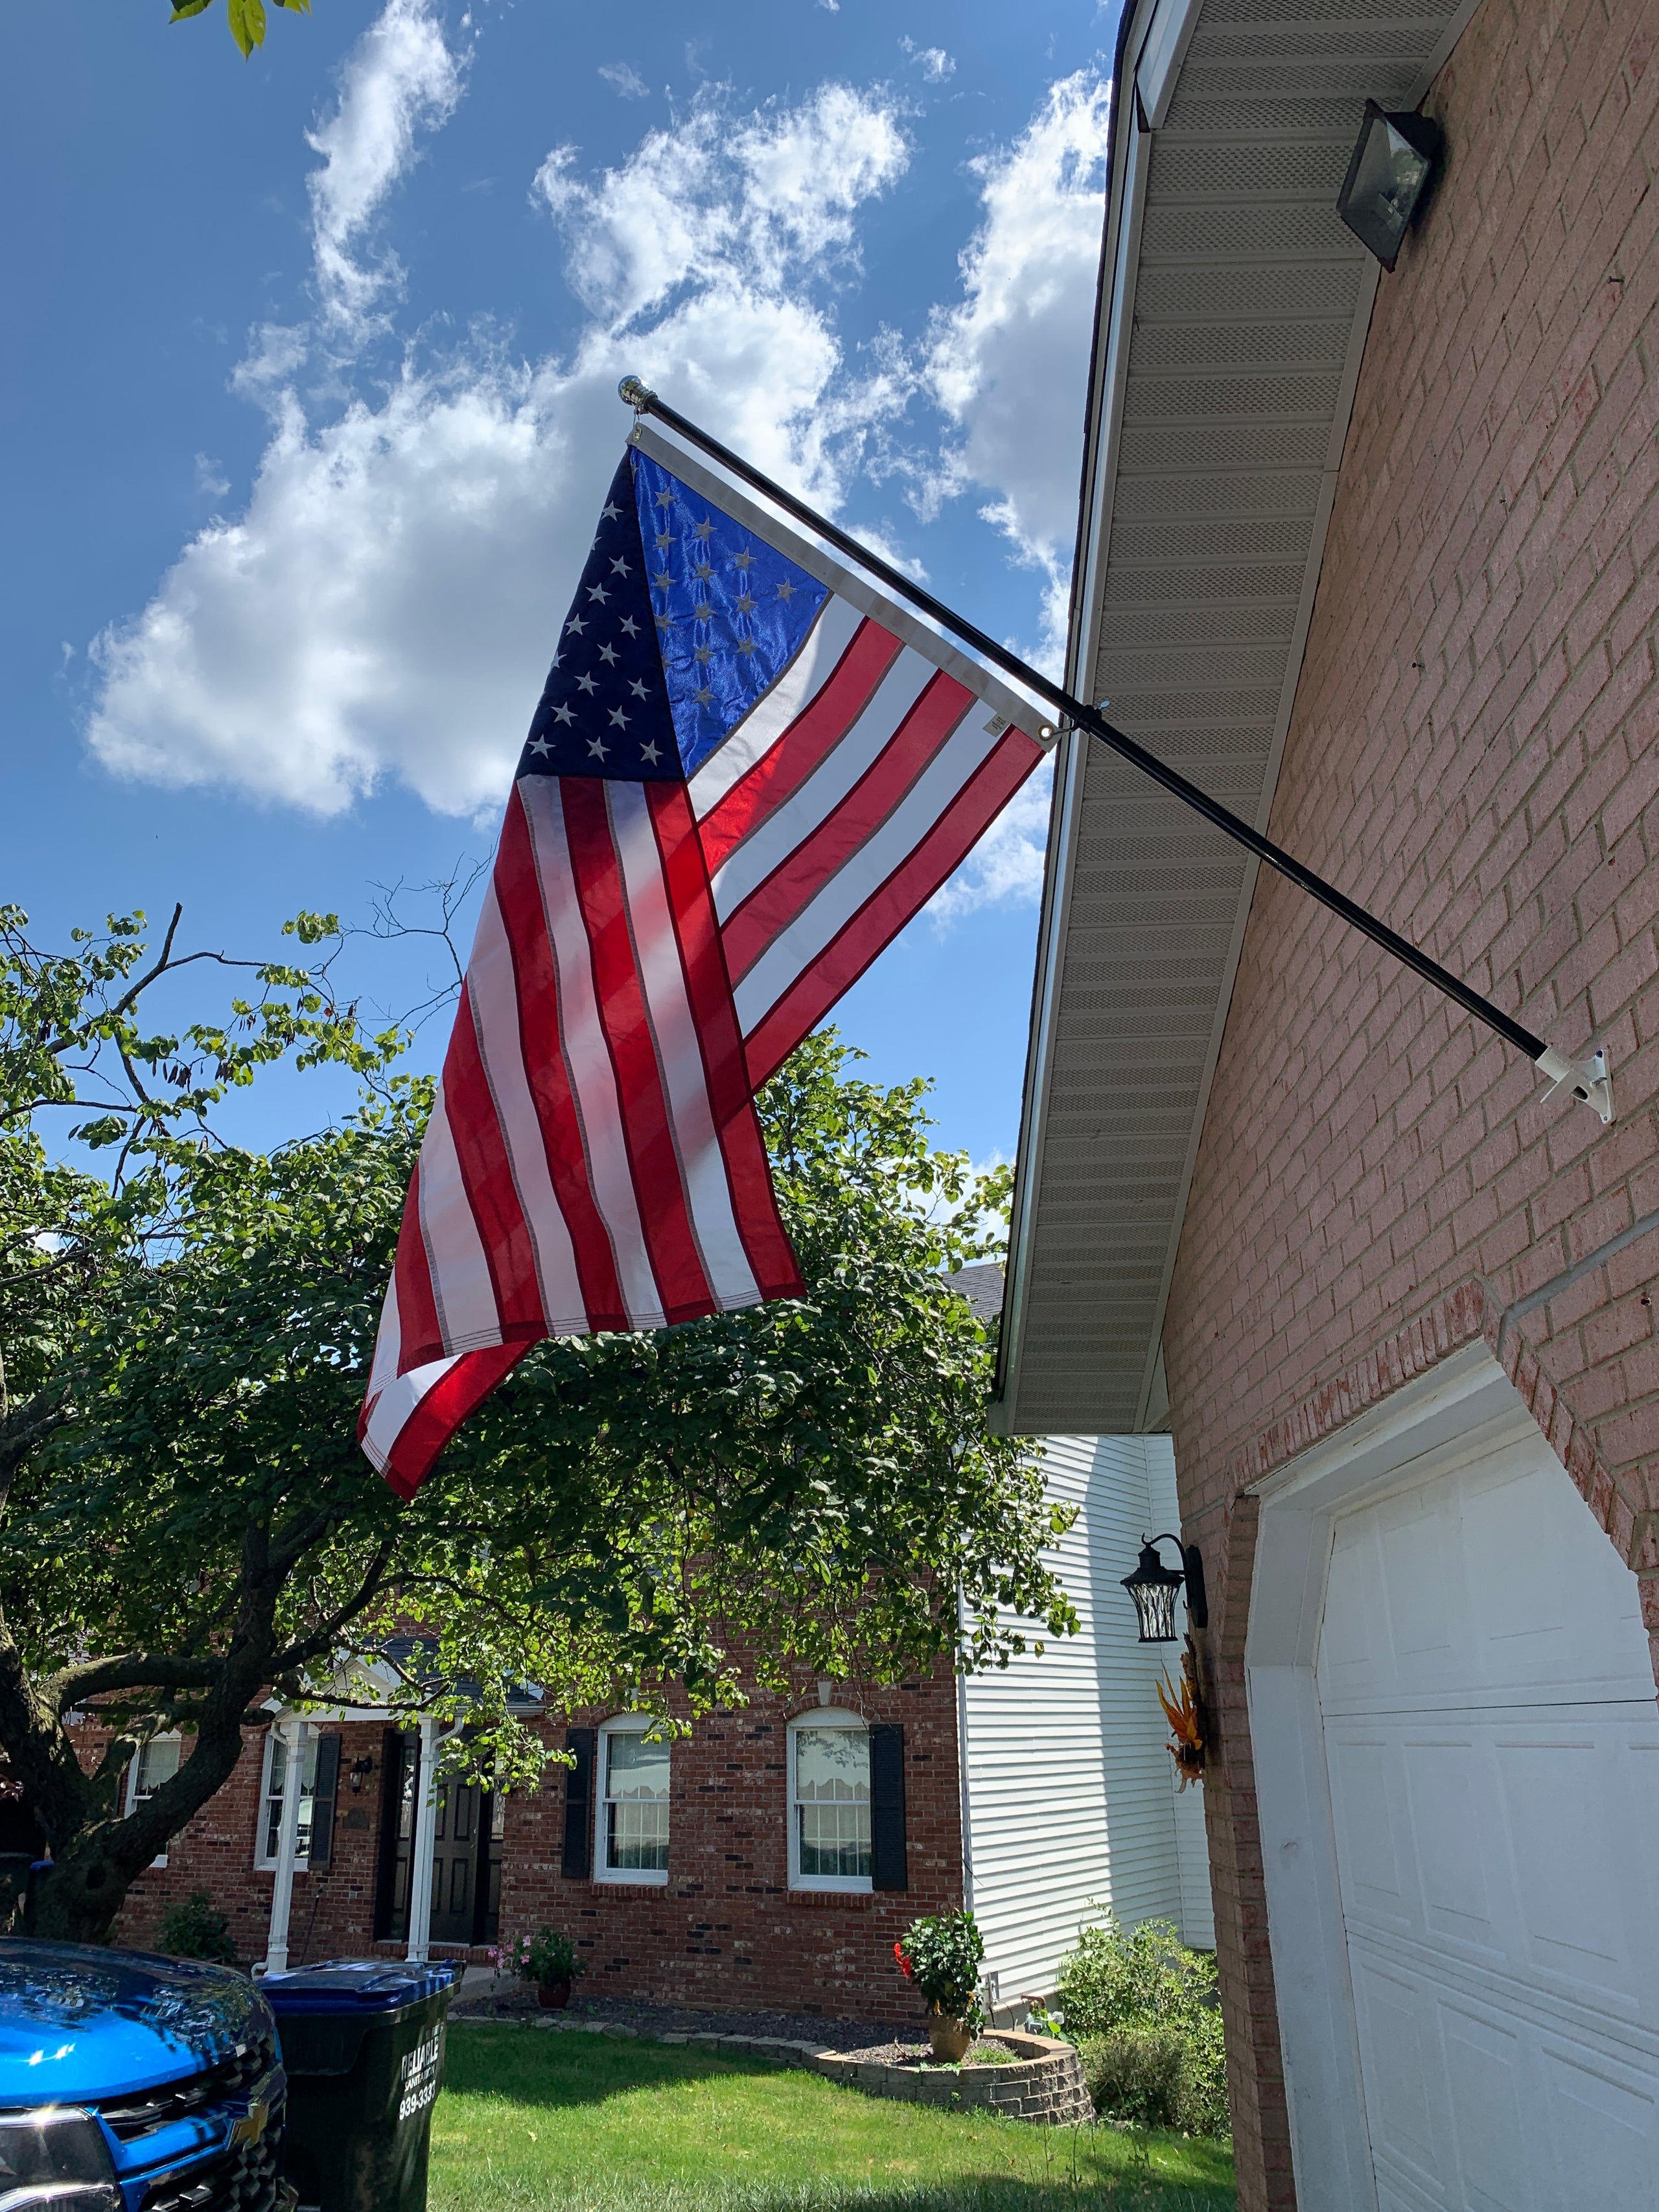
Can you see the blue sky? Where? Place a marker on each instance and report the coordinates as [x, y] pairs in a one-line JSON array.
[[307, 378]]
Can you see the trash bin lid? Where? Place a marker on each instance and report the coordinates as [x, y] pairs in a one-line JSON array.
[[355, 1985]]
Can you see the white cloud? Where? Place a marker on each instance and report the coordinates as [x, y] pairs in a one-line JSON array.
[[623, 77], [1006, 866], [384, 609], [705, 205], [401, 77], [933, 62], [1009, 365]]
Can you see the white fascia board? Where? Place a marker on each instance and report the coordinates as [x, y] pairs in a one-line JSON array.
[[1162, 51]]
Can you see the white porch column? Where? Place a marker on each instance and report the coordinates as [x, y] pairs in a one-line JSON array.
[[426, 1822], [291, 1735]]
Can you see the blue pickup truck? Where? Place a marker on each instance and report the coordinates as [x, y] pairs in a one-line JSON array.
[[135, 2084]]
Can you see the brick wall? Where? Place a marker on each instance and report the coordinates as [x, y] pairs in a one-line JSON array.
[[1474, 755], [726, 1930], [332, 1911]]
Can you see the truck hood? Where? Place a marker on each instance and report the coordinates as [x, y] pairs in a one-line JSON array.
[[78, 2023]]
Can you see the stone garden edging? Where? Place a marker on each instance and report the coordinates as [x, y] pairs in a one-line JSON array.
[[1045, 2083]]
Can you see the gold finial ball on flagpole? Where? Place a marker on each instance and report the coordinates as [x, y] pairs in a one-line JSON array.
[[637, 395]]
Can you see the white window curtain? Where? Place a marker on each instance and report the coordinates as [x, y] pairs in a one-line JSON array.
[[271, 1799], [829, 1801], [157, 1762], [631, 1843]]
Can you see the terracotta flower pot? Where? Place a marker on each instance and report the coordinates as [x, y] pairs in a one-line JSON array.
[[949, 2037], [553, 1996]]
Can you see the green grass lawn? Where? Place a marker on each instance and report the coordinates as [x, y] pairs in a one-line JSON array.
[[597, 2123]]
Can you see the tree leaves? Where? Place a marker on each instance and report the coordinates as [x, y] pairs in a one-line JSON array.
[[807, 1488], [247, 18]]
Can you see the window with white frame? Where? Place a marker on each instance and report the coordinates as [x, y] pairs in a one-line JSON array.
[[271, 1798], [631, 1844], [829, 1801], [157, 1762]]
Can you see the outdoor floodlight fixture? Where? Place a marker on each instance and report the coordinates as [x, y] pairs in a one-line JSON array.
[[1390, 178], [1153, 1586]]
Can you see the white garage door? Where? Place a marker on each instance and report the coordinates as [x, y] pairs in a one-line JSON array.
[[1494, 1750]]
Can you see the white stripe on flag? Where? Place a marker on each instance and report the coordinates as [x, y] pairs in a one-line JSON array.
[[754, 737], [462, 1289], [490, 986], [826, 788], [883, 855], [680, 1056], [400, 1398], [586, 1054]]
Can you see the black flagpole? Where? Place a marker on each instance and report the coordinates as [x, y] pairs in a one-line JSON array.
[[1587, 1080]]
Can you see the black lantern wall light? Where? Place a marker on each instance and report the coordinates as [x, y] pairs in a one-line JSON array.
[[1153, 1586], [1394, 171]]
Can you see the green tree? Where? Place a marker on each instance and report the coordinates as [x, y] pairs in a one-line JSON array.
[[247, 18], [190, 1523]]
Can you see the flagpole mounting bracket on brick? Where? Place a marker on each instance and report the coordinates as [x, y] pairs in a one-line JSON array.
[[1586, 1080]]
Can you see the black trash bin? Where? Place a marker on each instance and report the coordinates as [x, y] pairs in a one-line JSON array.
[[363, 2043]]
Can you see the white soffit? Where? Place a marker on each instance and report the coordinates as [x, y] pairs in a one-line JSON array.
[[1233, 315]]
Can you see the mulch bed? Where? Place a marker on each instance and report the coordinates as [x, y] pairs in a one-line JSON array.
[[868, 2039]]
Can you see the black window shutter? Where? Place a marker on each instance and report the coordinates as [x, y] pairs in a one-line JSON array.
[[322, 1802], [579, 1804], [888, 1866]]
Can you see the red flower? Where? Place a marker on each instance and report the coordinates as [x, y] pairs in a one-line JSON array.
[[904, 1964]]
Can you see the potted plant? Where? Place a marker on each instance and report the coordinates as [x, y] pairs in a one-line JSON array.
[[548, 1960], [941, 1954]]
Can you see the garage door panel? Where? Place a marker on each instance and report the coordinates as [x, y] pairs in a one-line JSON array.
[[1441, 1783], [1487, 2069], [1409, 2134], [1453, 1596], [1491, 1746], [1365, 1799], [1563, 1807], [1605, 2124]]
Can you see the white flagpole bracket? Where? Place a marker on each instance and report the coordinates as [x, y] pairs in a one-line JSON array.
[[1587, 1080]]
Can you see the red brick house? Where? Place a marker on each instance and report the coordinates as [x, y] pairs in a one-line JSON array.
[[769, 1858], [1376, 558]]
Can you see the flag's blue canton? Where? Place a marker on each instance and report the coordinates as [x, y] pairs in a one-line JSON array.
[[730, 613], [605, 707]]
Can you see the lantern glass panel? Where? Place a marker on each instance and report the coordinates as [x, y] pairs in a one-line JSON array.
[[1156, 1605]]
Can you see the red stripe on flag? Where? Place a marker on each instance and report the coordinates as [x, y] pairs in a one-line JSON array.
[[517, 892], [647, 1127], [754, 1203], [441, 1412], [475, 1130], [888, 907], [420, 1334], [799, 878], [814, 733]]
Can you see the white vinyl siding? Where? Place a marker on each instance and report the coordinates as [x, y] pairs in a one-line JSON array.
[[1070, 1794]]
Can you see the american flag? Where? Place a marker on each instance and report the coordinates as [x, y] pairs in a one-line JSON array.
[[750, 768]]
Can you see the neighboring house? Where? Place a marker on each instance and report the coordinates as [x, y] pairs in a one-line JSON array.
[[772, 1856], [1376, 558]]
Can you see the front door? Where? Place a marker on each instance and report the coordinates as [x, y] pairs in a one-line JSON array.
[[466, 1852], [455, 1858]]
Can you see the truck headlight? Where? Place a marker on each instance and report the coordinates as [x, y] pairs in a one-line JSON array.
[[54, 2158]]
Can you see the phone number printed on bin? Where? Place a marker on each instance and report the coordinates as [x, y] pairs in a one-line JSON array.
[[420, 2074]]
